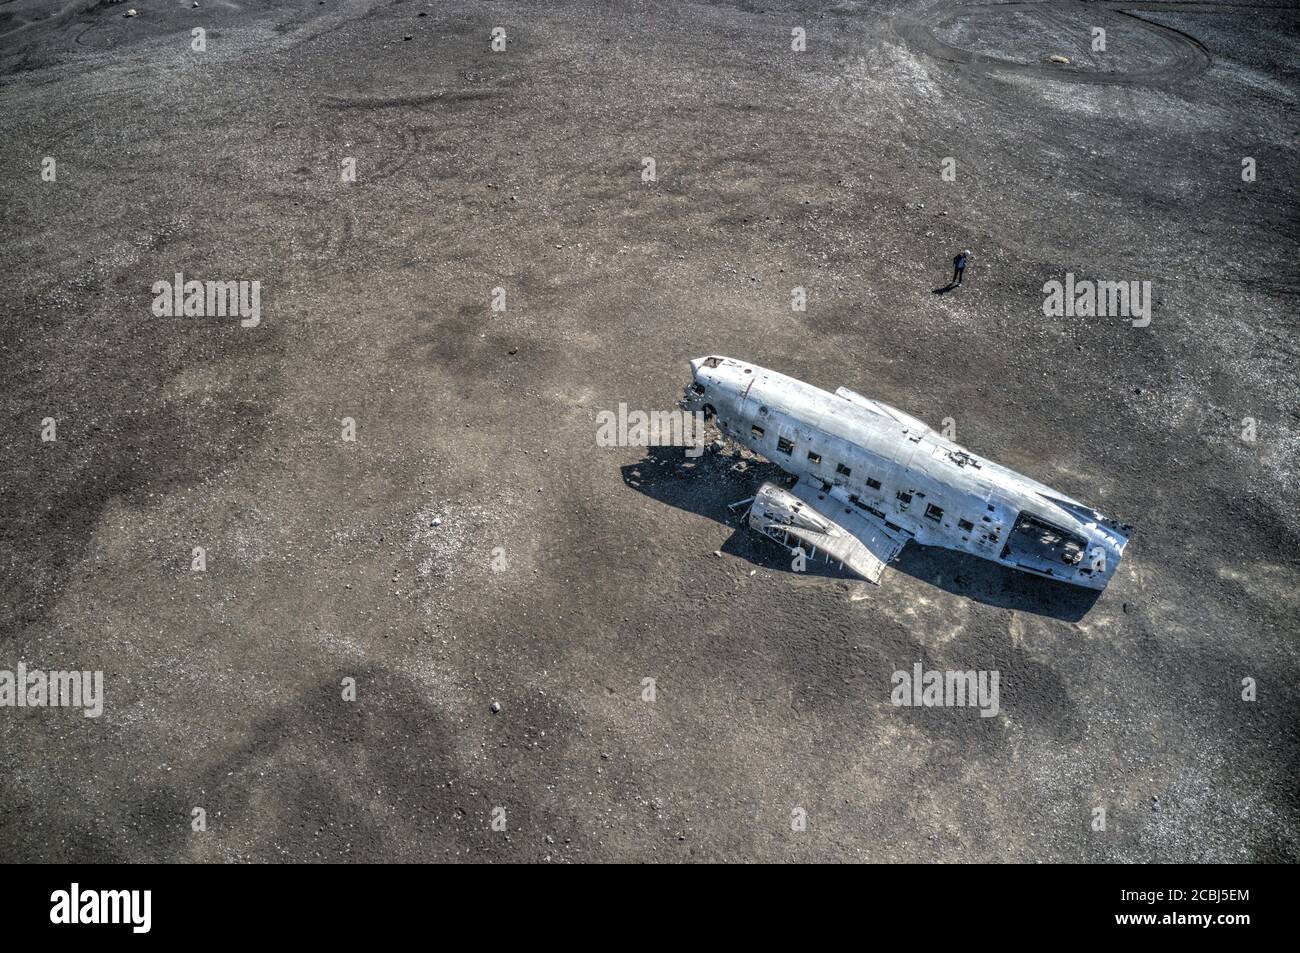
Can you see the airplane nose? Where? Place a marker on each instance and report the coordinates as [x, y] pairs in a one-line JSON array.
[[696, 365]]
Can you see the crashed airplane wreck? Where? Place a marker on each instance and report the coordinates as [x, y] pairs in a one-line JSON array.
[[870, 478]]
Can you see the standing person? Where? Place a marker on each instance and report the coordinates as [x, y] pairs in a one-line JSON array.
[[959, 266]]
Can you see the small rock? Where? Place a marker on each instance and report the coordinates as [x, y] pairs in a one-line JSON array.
[[1057, 58], [130, 13], [495, 707]]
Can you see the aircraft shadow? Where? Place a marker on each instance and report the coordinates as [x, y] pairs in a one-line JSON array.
[[706, 485]]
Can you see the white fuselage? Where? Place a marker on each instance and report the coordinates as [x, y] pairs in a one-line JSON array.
[[896, 469]]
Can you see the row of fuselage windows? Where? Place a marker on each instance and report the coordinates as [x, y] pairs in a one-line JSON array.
[[932, 512]]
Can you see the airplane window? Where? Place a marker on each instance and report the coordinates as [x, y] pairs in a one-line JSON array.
[[814, 457], [965, 525], [874, 484], [933, 512], [757, 431], [842, 470], [785, 446]]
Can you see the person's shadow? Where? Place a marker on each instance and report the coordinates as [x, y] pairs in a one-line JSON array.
[[711, 484], [950, 286]]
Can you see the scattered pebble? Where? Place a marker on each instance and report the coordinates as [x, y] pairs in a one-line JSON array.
[[495, 706]]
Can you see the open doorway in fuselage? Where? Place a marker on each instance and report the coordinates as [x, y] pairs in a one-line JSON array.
[[1040, 546]]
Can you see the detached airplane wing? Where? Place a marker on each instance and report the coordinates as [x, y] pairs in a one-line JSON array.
[[809, 515]]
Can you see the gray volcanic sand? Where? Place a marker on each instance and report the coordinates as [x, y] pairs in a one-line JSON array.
[[474, 544]]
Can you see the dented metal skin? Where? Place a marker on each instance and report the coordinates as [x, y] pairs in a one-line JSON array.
[[884, 477]]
